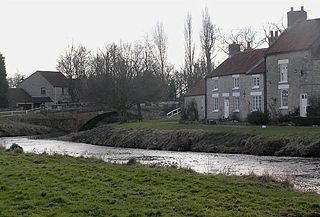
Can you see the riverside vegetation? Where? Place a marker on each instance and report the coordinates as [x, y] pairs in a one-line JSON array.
[[43, 185], [169, 134]]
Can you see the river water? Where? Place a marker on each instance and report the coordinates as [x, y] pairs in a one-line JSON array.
[[304, 172]]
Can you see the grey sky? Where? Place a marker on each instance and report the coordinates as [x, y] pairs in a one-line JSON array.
[[35, 32]]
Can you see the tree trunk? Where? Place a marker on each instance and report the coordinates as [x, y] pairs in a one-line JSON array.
[[139, 112]]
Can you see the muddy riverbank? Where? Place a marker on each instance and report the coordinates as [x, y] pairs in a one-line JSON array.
[[198, 141]]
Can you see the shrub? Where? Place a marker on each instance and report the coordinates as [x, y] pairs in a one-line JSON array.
[[15, 148], [258, 118], [306, 121], [314, 107], [132, 161], [235, 116], [191, 111]]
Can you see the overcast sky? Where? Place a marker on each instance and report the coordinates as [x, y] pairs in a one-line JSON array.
[[35, 32]]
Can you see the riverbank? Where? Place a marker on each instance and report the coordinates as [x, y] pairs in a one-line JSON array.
[[14, 128], [57, 185], [216, 140]]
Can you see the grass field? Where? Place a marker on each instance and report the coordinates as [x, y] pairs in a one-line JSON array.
[[42, 185], [270, 131]]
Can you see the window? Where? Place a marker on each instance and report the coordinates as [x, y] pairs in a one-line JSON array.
[[215, 104], [62, 91], [255, 82], [284, 99], [43, 91], [283, 72], [236, 103], [215, 84], [256, 102], [235, 82]]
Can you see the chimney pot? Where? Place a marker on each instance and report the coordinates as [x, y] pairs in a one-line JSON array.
[[302, 8], [291, 8], [271, 33], [277, 34]]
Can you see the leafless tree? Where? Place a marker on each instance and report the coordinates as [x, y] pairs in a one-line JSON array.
[[208, 37], [16, 80], [189, 51], [246, 37], [75, 65], [160, 40]]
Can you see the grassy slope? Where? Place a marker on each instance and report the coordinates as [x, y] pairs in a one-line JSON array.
[[41, 185], [270, 131], [13, 128]]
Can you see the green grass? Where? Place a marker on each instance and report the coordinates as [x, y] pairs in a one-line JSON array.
[[41, 185], [270, 131]]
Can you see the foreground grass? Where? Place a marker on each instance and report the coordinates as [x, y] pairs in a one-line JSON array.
[[270, 131], [41, 185]]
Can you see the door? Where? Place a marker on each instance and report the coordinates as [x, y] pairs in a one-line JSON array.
[[226, 107], [303, 104]]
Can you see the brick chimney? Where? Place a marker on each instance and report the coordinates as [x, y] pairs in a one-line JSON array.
[[274, 35], [295, 17], [233, 49]]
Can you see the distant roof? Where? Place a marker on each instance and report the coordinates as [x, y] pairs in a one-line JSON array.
[[250, 61], [198, 89], [298, 37], [55, 78], [18, 95]]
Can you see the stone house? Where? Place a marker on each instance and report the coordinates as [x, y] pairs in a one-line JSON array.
[[235, 87], [41, 88], [293, 66], [198, 95], [279, 79]]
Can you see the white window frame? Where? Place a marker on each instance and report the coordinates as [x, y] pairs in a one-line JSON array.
[[256, 81], [256, 101], [215, 104], [282, 106], [236, 82], [215, 81], [283, 70], [236, 103]]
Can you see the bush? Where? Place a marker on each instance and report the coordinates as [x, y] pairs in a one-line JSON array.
[[306, 121], [190, 113], [314, 108], [258, 118], [15, 148]]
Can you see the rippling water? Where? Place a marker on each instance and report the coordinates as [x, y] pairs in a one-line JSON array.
[[305, 172]]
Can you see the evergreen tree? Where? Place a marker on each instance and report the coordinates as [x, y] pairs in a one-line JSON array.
[[3, 83]]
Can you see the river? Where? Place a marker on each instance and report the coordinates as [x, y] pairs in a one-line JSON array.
[[304, 172]]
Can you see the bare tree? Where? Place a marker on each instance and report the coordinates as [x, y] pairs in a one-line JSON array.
[[246, 37], [160, 40], [208, 37], [189, 51], [16, 80], [75, 65]]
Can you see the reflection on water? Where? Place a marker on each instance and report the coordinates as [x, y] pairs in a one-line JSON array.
[[304, 171]]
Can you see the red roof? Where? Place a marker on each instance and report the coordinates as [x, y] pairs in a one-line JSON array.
[[198, 89], [299, 37], [250, 61]]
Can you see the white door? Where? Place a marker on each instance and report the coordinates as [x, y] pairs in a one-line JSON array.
[[226, 107], [303, 104]]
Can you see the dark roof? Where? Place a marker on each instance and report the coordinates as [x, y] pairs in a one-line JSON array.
[[41, 99], [198, 89], [56, 79], [298, 37], [16, 95], [250, 61]]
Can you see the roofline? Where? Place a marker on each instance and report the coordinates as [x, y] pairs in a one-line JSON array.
[[195, 95], [259, 62], [291, 51]]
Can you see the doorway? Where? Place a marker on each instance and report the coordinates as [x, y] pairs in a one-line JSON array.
[[303, 104], [226, 107]]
